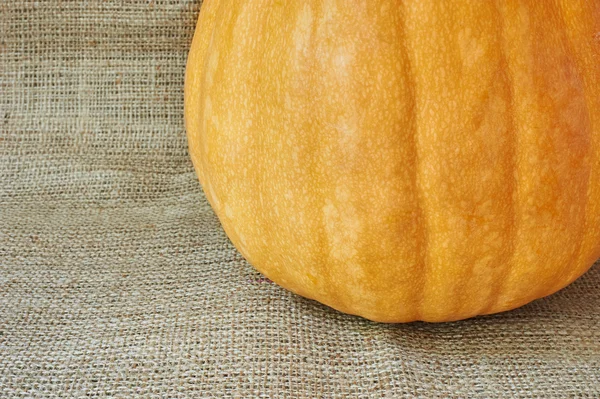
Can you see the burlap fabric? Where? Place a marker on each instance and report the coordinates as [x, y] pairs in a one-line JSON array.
[[116, 279]]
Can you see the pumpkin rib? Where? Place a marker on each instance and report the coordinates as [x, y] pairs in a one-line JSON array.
[[542, 216], [569, 46], [319, 158], [422, 228], [258, 145], [514, 166], [574, 272], [554, 281]]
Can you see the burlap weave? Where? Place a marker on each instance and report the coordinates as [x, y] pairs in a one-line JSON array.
[[116, 279]]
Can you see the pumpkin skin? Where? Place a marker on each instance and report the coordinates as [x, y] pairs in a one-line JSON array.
[[402, 160]]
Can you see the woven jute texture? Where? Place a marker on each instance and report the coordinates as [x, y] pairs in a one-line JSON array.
[[116, 279]]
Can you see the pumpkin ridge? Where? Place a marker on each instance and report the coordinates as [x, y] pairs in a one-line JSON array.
[[259, 144], [552, 150], [566, 45], [514, 166], [423, 232], [572, 270], [576, 260], [317, 159]]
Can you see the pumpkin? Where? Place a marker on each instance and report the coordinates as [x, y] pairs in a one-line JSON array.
[[402, 160]]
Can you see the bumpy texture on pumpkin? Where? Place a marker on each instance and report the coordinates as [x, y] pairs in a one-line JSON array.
[[402, 160]]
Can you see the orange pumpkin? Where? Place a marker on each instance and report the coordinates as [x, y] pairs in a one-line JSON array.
[[402, 160]]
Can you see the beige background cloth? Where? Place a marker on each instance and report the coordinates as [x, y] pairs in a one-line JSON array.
[[116, 279]]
